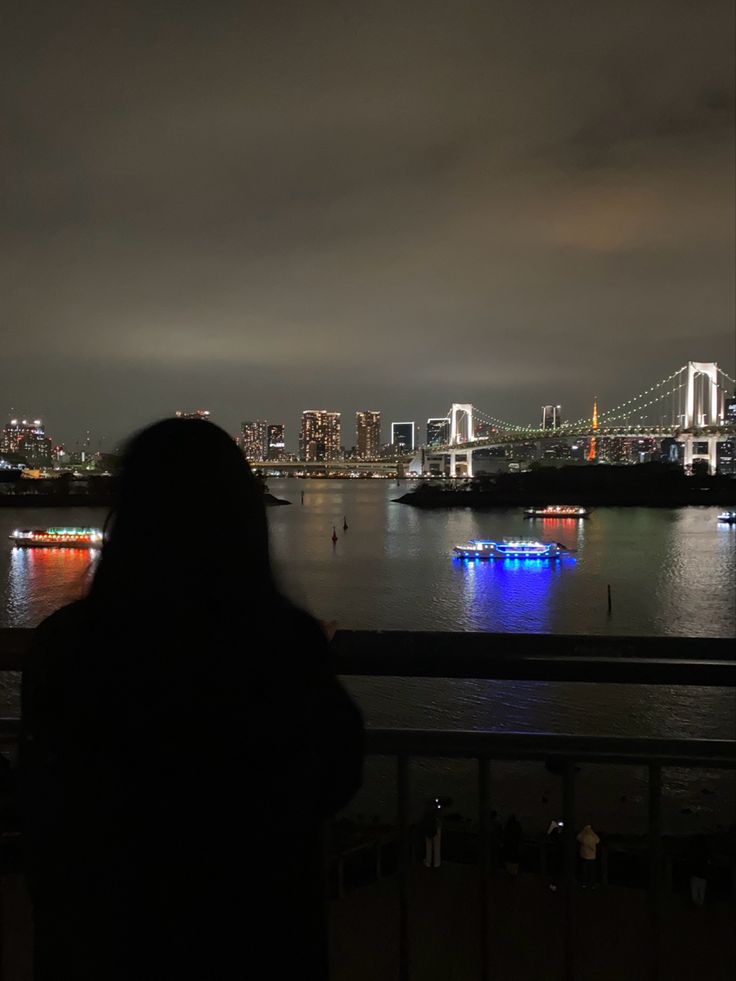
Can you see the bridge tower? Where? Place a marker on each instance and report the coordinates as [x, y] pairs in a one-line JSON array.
[[461, 423], [695, 401]]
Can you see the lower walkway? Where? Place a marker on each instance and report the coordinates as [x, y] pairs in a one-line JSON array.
[[525, 931]]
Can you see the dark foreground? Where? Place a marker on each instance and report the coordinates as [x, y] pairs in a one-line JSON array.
[[525, 929]]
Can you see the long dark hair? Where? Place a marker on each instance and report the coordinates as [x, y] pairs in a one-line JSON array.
[[189, 522]]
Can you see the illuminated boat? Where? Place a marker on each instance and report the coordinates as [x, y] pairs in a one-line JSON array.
[[508, 548], [57, 537], [557, 511], [728, 517]]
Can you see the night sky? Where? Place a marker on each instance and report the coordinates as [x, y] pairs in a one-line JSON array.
[[264, 207]]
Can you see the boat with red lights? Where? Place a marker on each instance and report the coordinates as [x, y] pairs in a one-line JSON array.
[[57, 537], [509, 548], [557, 511]]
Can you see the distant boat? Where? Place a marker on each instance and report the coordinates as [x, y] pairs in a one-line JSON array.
[[728, 517], [521, 548], [557, 511], [57, 537]]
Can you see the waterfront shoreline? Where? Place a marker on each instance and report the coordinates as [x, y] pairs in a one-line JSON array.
[[481, 500], [85, 501]]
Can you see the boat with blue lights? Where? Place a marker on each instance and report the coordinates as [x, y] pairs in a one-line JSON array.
[[509, 548], [57, 537], [728, 517], [569, 511]]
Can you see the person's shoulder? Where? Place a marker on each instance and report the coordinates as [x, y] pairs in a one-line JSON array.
[[67, 625], [299, 623], [53, 641], [66, 620]]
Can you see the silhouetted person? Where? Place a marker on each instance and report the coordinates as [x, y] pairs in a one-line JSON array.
[[432, 831], [512, 845], [174, 723], [495, 833], [698, 861], [555, 853]]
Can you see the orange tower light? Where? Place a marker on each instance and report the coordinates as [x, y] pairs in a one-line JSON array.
[[592, 448]]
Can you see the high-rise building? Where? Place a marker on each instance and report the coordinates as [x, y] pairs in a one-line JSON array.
[[402, 436], [28, 439], [254, 439], [319, 436], [275, 441], [368, 434], [551, 416], [729, 411], [202, 414], [438, 431]]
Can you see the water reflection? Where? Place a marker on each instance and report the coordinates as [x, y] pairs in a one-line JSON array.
[[499, 593], [40, 580]]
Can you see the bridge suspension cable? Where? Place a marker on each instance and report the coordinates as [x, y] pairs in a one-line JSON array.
[[499, 423], [635, 404], [644, 405]]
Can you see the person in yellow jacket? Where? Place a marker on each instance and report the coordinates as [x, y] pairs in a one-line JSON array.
[[589, 842]]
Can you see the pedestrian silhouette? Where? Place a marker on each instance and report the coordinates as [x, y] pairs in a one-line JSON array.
[[512, 845], [698, 860], [555, 853], [184, 737], [432, 831]]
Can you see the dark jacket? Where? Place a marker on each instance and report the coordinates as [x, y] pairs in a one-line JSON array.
[[164, 757]]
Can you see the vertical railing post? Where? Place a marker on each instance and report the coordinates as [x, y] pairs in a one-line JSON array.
[[402, 777], [484, 822], [655, 869], [568, 876]]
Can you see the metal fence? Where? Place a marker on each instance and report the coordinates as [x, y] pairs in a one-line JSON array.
[[629, 660]]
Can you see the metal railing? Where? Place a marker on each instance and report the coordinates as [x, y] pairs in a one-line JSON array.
[[629, 660]]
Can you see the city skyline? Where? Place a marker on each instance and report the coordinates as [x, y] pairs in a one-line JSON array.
[[270, 436], [403, 207]]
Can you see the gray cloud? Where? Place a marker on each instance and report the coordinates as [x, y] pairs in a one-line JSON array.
[[261, 206]]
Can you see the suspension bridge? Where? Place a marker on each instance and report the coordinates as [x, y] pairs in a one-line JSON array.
[[688, 406]]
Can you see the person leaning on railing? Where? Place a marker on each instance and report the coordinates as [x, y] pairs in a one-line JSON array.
[[184, 736]]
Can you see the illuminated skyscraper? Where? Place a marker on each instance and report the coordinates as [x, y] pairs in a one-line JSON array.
[[254, 439], [368, 434], [551, 416], [319, 437], [275, 442], [27, 438], [402, 436], [438, 431]]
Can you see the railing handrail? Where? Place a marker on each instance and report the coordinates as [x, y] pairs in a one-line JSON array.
[[522, 657], [530, 746], [471, 744]]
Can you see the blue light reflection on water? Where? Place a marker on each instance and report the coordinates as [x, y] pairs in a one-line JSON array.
[[490, 588]]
